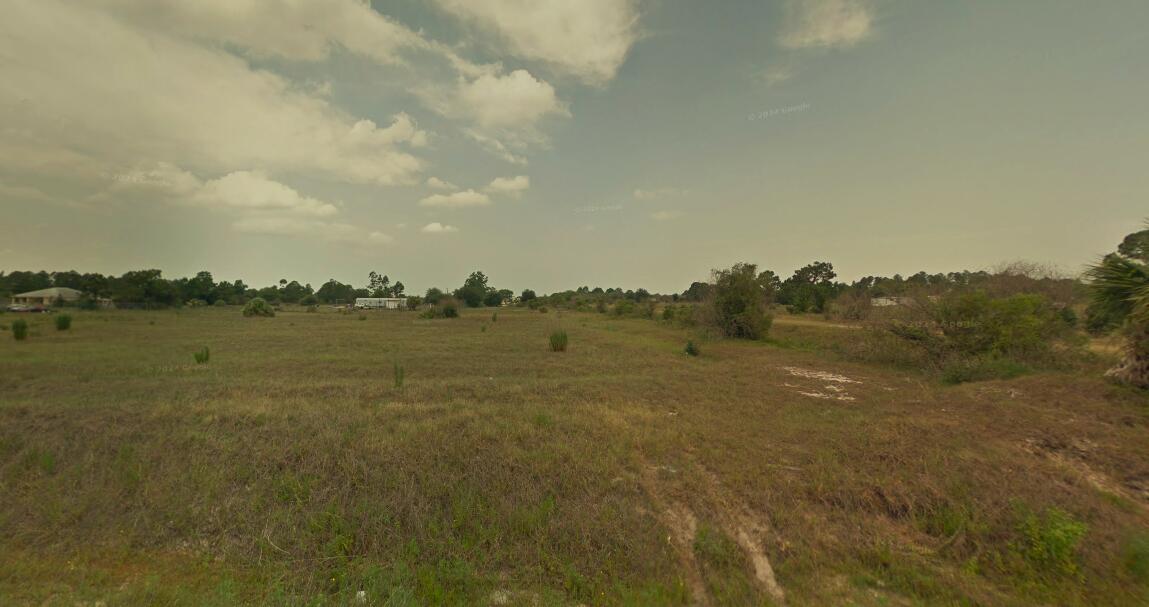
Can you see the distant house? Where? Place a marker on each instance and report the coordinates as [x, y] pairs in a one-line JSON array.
[[46, 297], [384, 303]]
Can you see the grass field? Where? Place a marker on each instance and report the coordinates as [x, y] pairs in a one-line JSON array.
[[291, 468]]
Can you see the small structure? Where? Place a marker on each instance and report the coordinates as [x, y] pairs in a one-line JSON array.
[[47, 297], [381, 303]]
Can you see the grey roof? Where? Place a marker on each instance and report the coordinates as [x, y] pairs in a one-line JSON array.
[[63, 292]]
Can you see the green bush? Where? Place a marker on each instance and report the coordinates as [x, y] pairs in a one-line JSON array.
[[740, 302], [446, 308], [219, 303], [1019, 326], [202, 356], [559, 341], [600, 307], [258, 307], [1049, 541], [20, 329], [692, 349], [63, 322]]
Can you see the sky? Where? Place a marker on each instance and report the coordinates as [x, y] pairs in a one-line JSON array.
[[554, 144]]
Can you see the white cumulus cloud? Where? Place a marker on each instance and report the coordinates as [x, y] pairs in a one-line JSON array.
[[465, 198], [513, 186], [588, 39], [438, 228]]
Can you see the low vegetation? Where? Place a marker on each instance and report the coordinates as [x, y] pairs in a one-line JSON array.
[[202, 356], [20, 329], [558, 341], [258, 307], [63, 322]]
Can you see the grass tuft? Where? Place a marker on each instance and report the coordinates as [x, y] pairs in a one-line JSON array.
[[399, 373], [202, 356], [692, 349], [559, 341]]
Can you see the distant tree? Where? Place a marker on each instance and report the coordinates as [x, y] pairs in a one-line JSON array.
[[474, 290], [527, 295], [493, 298], [698, 291], [378, 285], [433, 296], [334, 291], [397, 289]]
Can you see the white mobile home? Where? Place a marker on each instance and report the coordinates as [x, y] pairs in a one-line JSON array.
[[381, 303]]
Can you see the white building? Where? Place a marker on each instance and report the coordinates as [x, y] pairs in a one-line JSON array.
[[381, 303]]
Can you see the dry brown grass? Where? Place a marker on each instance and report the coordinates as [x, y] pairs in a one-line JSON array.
[[290, 469]]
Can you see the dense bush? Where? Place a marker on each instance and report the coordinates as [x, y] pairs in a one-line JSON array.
[[739, 302], [219, 303], [63, 322], [20, 329], [1022, 327], [692, 349], [446, 308], [258, 307]]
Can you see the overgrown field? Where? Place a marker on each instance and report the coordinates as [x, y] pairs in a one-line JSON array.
[[386, 459]]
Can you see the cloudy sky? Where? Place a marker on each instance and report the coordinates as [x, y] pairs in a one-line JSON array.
[[554, 144]]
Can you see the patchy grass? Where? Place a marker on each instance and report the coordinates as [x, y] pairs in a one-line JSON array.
[[289, 474]]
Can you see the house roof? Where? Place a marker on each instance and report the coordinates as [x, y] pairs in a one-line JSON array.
[[64, 292]]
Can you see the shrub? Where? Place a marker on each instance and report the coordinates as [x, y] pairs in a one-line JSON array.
[[542, 309], [20, 329], [63, 322], [559, 341], [495, 317], [1049, 542], [600, 307], [692, 349], [219, 303], [258, 307], [739, 302], [413, 302], [623, 307], [202, 356], [399, 373], [312, 309], [447, 308]]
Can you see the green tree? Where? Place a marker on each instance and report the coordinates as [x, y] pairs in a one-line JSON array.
[[1120, 287], [474, 290], [740, 302]]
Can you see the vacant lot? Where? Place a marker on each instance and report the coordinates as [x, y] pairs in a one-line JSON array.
[[291, 469]]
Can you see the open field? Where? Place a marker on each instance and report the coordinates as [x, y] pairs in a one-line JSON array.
[[290, 468]]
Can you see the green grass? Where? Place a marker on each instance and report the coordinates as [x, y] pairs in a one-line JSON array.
[[285, 472]]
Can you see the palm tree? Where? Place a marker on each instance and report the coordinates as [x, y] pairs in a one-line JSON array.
[[1120, 285]]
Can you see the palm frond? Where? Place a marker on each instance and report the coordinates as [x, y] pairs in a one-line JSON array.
[[1121, 284]]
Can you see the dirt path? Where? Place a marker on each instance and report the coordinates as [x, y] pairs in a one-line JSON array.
[[735, 517]]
